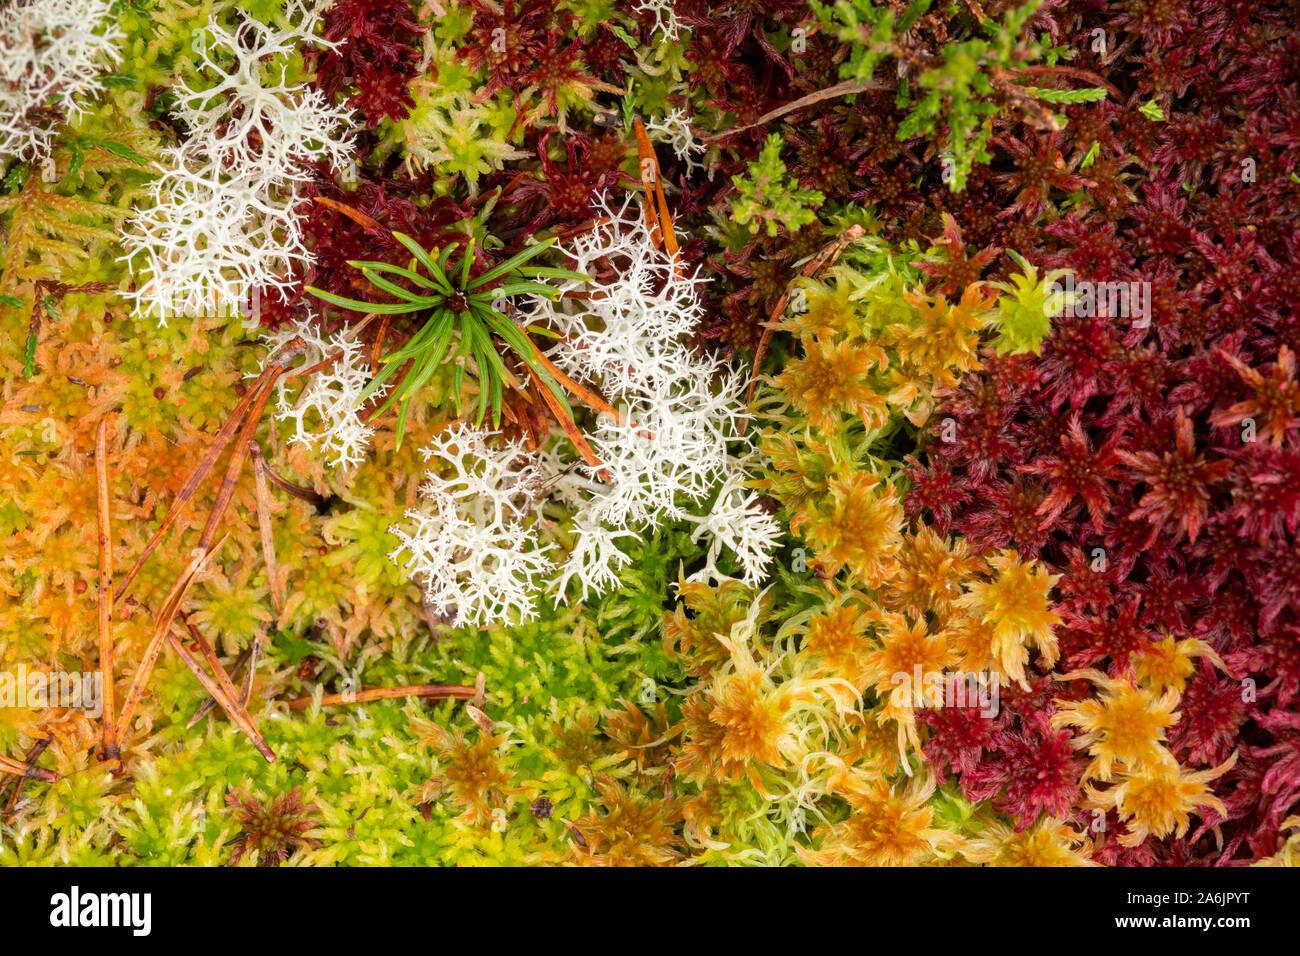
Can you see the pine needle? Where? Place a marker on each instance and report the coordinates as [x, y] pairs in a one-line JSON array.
[[105, 594]]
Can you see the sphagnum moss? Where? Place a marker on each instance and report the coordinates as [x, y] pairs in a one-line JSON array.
[[663, 624]]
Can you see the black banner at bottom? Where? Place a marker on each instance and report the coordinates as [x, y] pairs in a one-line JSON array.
[[356, 906]]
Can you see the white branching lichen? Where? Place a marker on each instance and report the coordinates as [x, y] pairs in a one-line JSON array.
[[479, 542], [223, 226], [667, 23], [674, 130], [473, 544], [594, 560], [250, 121], [52, 54], [738, 523], [211, 242], [670, 450], [326, 414], [683, 418]]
